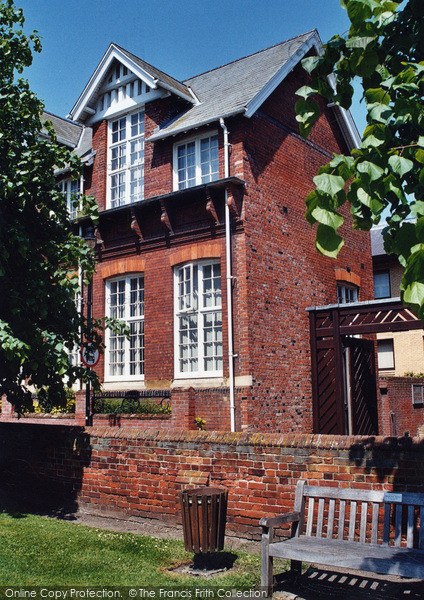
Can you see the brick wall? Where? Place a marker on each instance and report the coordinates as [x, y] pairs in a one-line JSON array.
[[133, 473], [284, 272], [399, 415]]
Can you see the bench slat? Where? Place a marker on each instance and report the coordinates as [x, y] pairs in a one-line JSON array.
[[330, 525], [311, 504], [410, 527], [299, 506], [352, 520], [398, 525], [320, 517], [374, 526], [344, 494], [364, 513], [421, 538], [342, 512], [386, 530]]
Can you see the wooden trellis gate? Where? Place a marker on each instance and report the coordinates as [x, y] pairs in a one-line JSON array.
[[344, 376]]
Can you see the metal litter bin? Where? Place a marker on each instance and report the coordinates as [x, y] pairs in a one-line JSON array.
[[204, 515]]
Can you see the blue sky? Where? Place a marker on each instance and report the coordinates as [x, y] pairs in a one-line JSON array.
[[181, 37]]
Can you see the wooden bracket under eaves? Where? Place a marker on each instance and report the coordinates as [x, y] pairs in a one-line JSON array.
[[210, 208], [98, 236], [135, 225], [234, 202], [165, 217]]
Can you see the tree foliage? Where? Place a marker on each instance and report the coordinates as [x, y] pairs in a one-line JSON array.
[[384, 48], [39, 253]]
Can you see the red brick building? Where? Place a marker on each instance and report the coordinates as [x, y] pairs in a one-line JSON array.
[[202, 244]]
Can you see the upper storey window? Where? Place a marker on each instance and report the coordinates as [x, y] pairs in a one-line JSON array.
[[126, 159], [196, 161], [347, 293], [70, 188]]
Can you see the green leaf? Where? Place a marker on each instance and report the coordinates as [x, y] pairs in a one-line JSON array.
[[307, 113], [311, 62], [327, 217], [360, 10], [419, 156], [417, 209], [371, 169], [328, 242], [305, 91], [329, 184], [400, 165], [360, 41], [374, 136], [414, 294], [380, 112], [367, 200]]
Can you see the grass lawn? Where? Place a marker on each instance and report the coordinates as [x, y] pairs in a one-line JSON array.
[[41, 551]]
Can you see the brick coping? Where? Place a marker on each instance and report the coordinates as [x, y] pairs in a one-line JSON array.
[[243, 439], [289, 440]]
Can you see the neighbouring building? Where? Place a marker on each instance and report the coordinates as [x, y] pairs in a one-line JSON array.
[[202, 243], [399, 353]]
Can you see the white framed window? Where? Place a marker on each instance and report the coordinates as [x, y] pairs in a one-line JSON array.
[[70, 188], [386, 354], [126, 159], [124, 358], [196, 161], [381, 284], [346, 293], [198, 320]]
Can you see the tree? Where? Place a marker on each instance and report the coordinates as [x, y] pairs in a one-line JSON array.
[[39, 254], [384, 48]]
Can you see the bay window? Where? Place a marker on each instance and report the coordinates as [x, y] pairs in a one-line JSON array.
[[125, 301], [198, 320], [126, 160]]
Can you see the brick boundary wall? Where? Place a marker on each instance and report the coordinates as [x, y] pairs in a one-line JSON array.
[[134, 473]]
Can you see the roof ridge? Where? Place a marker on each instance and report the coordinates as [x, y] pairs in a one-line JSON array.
[[48, 112], [249, 55], [147, 63]]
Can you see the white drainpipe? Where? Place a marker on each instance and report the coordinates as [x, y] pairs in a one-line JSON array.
[[229, 281]]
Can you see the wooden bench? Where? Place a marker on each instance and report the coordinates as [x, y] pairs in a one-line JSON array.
[[373, 531]]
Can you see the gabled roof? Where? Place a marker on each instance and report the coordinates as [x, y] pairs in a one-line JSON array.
[[243, 85], [153, 77]]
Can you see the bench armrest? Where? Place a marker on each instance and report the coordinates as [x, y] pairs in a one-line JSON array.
[[290, 517]]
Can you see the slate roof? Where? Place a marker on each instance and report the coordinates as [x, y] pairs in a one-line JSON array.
[[71, 134], [227, 90], [377, 245], [68, 132]]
